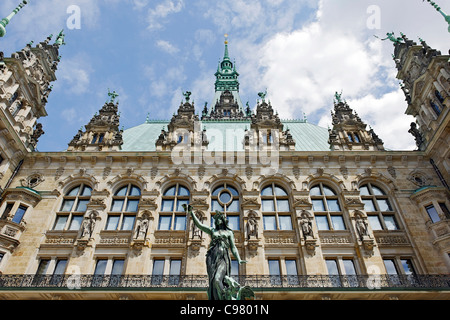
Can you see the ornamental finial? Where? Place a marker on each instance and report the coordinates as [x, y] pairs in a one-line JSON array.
[[4, 22], [446, 17]]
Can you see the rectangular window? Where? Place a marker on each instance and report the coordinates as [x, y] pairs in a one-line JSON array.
[[332, 267], [275, 272], [234, 268], [291, 271], [444, 210], [333, 205], [349, 267], [180, 205], [268, 206], [384, 205], [158, 271], [432, 212], [116, 272], [60, 267], [117, 205], [164, 222], [233, 222], [215, 206], [350, 273], [132, 205], [175, 271], [67, 205], [82, 205], [8, 209], [375, 223], [180, 223], [270, 223], [43, 266], [128, 222], [390, 267], [233, 206], [333, 272], [100, 267], [19, 214], [408, 266], [291, 267], [60, 222], [117, 268], [112, 223], [318, 205], [390, 222], [76, 222], [322, 223], [368, 205], [338, 222], [167, 205], [285, 222], [283, 205]]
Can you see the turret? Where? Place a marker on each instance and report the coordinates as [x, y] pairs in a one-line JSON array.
[[102, 132], [349, 132]]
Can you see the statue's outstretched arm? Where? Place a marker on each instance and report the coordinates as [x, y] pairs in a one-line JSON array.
[[235, 251], [197, 222]]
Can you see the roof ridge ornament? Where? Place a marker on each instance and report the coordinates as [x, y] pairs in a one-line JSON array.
[[391, 36], [446, 16], [4, 22]]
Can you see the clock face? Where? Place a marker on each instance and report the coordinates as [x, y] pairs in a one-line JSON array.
[[227, 100]]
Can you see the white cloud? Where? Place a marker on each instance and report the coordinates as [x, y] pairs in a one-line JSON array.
[[74, 74], [333, 50], [167, 46], [161, 11]]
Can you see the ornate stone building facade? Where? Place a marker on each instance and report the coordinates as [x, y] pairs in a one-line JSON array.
[[317, 213]]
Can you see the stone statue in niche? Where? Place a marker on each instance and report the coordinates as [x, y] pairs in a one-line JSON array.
[[306, 225], [252, 227], [88, 225]]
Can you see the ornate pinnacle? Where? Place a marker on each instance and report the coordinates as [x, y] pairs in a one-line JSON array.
[[4, 22], [60, 38], [446, 17]]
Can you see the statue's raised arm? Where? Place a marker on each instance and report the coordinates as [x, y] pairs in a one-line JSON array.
[[188, 208]]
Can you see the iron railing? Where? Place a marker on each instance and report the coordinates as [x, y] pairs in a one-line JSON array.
[[200, 282]]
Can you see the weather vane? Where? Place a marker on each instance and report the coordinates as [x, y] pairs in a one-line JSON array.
[[113, 95]]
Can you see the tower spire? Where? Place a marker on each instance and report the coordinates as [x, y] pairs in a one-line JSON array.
[[4, 22], [226, 55], [446, 17]]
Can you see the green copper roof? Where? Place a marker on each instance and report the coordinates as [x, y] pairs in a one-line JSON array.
[[226, 135]]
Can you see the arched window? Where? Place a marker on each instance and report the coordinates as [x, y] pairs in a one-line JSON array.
[[70, 216], [380, 214], [173, 215], [326, 208], [225, 198], [275, 208], [124, 208]]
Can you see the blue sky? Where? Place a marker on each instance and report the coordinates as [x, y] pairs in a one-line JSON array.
[[301, 51]]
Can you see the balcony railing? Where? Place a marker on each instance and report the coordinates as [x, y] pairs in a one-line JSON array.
[[198, 282]]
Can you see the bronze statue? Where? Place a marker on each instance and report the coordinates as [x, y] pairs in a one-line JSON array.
[[218, 260]]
